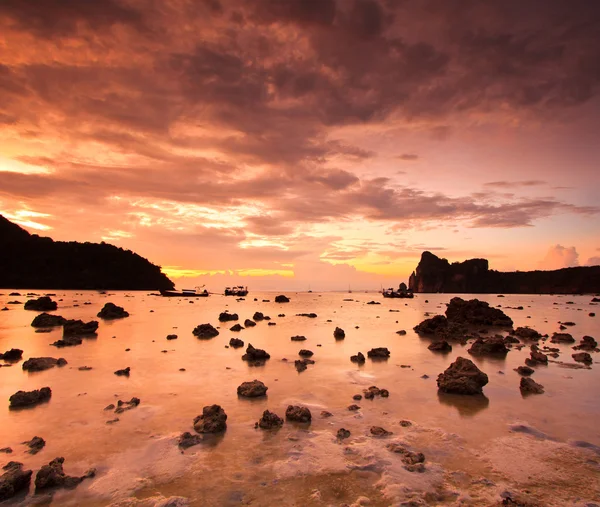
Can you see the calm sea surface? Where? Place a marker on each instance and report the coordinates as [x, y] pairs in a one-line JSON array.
[[475, 447]]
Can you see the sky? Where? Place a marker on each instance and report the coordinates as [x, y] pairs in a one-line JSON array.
[[305, 143]]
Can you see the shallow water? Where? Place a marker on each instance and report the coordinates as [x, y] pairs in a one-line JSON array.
[[474, 446]]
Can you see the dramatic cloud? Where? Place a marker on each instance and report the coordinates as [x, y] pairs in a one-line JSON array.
[[559, 257]]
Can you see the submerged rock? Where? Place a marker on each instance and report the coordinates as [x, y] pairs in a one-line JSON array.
[[298, 338], [339, 333], [42, 304], [13, 480], [69, 341], [204, 331], [36, 444], [124, 372], [187, 440], [236, 328], [301, 364], [212, 420], [493, 346], [582, 357], [258, 316], [249, 323], [282, 299], [43, 363], [236, 343], [122, 406], [530, 386], [525, 370], [358, 358], [47, 320], [52, 475], [110, 311], [462, 377], [12, 355], [562, 338], [80, 328], [378, 431], [269, 421], [298, 414], [413, 461], [342, 434], [226, 316], [440, 346], [379, 353], [252, 389], [30, 398], [255, 357]]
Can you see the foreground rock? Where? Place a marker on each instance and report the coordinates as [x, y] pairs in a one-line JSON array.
[[282, 299], [236, 343], [212, 420], [13, 480], [226, 316], [298, 414], [413, 461], [562, 338], [462, 377], [110, 311], [12, 355], [52, 475], [43, 304], [36, 444], [530, 386], [43, 363], [255, 357], [269, 421], [379, 353], [249, 323], [252, 389], [582, 357], [187, 440], [205, 331], [30, 398], [440, 346], [47, 320], [339, 333], [493, 346], [358, 358], [587, 343], [80, 328]]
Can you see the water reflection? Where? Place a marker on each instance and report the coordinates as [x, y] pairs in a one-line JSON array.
[[467, 405]]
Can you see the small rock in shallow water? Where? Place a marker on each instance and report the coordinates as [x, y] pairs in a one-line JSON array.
[[325, 414], [187, 440], [110, 311], [252, 389], [530, 386], [524, 370], [462, 377], [298, 414], [378, 431], [36, 444], [30, 398], [123, 373], [212, 420], [52, 475], [13, 480], [342, 434], [269, 421], [358, 358]]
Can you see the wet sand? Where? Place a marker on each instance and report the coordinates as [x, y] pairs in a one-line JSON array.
[[475, 447]]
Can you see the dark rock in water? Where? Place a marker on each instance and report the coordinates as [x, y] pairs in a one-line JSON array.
[[373, 391], [123, 373], [379, 353], [309, 315], [226, 316], [405, 424], [342, 434], [204, 331], [528, 385], [358, 358], [212, 420], [6, 450], [353, 408], [110, 407], [357, 397], [493, 346], [47, 320], [476, 313], [301, 364], [526, 333], [282, 299], [52, 475], [325, 414], [537, 356], [281, 314], [378, 431], [36, 444], [249, 323], [13, 480], [258, 316], [582, 357], [43, 363], [272, 324], [298, 414], [306, 353], [172, 337], [524, 370], [236, 343], [252, 389], [255, 357], [434, 326], [509, 340], [339, 334], [70, 341], [80, 328], [187, 440], [440, 346], [122, 406], [587, 343], [110, 311], [591, 314], [269, 421], [298, 338], [462, 377], [562, 338], [30, 398], [236, 328], [413, 461], [42, 304], [84, 368], [402, 332], [12, 355]]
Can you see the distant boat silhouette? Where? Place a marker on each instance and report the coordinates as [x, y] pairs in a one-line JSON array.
[[239, 291], [185, 293]]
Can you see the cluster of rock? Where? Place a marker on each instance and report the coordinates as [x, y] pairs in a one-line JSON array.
[[43, 363], [255, 357], [30, 398], [462, 377], [41, 304], [205, 331]]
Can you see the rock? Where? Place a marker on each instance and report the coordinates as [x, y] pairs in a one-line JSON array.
[[342, 434], [524, 370], [476, 313], [530, 386], [309, 315], [110, 311], [249, 323], [272, 324], [509, 340], [440, 346], [587, 343], [122, 406], [339, 334], [255, 357], [84, 368], [172, 337], [298, 414], [582, 357], [325, 414], [405, 424], [252, 389], [493, 346], [30, 398], [402, 332], [212, 420], [378, 431], [68, 342], [12, 355], [205, 331], [110, 407], [52, 475], [269, 421], [226, 316], [187, 440], [562, 338], [373, 391], [47, 320], [373, 303], [358, 358], [123, 373], [357, 397], [298, 338], [434, 326], [13, 480], [413, 461], [43, 363], [462, 377], [379, 353], [6, 450], [353, 408], [301, 364], [80, 328], [591, 314], [306, 353], [236, 343], [36, 444], [258, 316], [42, 304], [236, 328], [282, 299]]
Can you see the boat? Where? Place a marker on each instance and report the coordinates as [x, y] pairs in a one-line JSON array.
[[402, 292], [239, 291], [185, 293]]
